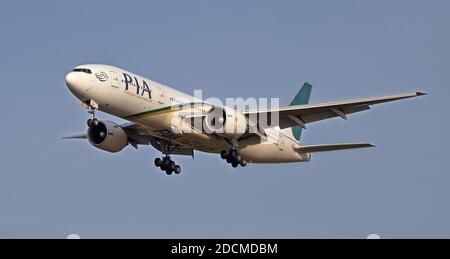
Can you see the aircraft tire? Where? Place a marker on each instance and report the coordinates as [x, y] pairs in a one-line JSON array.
[[158, 162], [224, 154]]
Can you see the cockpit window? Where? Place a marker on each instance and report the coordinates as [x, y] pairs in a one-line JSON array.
[[84, 70]]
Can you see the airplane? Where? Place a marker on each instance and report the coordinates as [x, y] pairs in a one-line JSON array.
[[167, 119]]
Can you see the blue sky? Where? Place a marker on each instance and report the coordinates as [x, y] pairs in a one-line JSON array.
[[346, 49]]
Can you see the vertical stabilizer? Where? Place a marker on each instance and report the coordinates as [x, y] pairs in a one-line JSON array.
[[302, 97]]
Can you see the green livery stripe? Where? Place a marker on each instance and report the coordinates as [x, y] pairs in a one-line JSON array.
[[165, 109], [162, 110]]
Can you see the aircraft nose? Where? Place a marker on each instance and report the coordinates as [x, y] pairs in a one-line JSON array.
[[75, 85], [70, 80]]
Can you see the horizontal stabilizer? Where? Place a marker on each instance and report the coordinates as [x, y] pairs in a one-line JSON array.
[[331, 147]]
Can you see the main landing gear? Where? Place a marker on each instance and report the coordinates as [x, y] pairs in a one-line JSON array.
[[232, 157], [166, 164]]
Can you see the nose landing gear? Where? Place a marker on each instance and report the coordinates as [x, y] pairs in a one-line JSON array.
[[92, 106], [234, 158], [92, 122]]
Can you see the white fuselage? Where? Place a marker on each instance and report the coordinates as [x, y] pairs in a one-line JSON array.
[[148, 103]]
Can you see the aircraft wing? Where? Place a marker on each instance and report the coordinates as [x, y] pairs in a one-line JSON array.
[[76, 136], [138, 135], [304, 114]]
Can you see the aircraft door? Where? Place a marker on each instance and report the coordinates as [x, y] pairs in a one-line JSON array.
[[160, 95], [115, 81], [281, 142]]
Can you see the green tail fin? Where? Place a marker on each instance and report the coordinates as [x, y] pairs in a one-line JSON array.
[[302, 97]]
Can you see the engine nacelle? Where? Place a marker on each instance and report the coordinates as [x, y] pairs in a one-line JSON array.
[[107, 136], [225, 122]]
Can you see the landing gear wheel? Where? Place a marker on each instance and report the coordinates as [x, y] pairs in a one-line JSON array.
[[234, 164], [233, 153], [243, 162], [163, 165], [177, 169], [92, 122], [169, 172], [238, 158], [166, 162], [229, 159], [158, 162], [172, 165], [224, 154]]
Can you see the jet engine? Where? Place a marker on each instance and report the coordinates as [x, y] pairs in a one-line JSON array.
[[225, 122], [107, 136]]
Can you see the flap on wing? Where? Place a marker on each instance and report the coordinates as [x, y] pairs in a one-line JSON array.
[[174, 149], [286, 122], [331, 147], [138, 135]]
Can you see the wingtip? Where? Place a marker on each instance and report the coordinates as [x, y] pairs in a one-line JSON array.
[[421, 93]]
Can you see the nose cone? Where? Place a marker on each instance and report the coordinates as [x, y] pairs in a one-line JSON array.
[[70, 80], [75, 85]]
